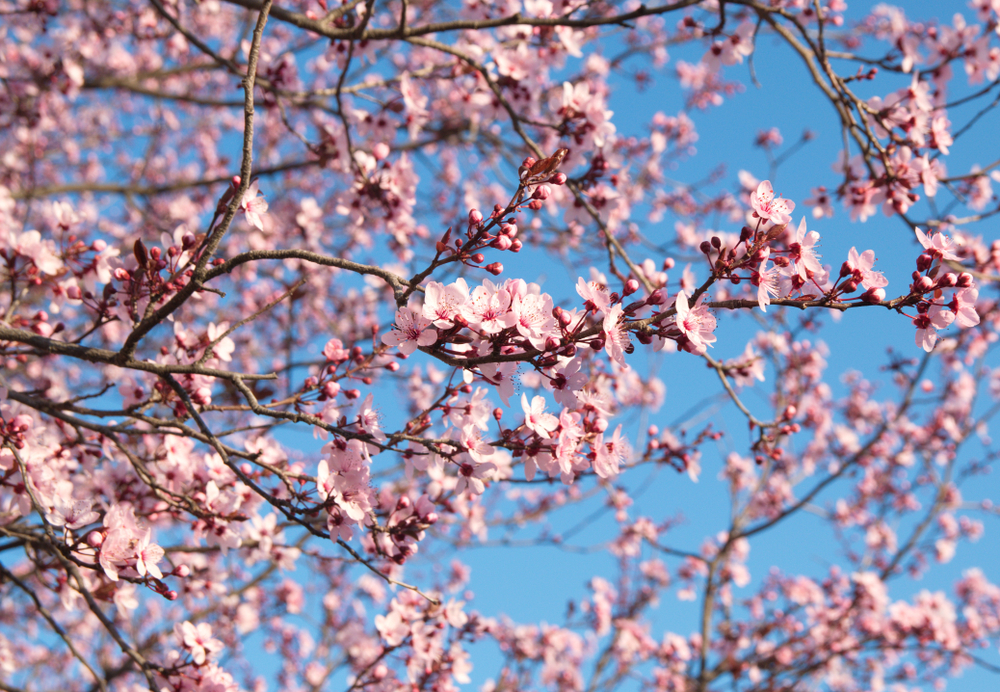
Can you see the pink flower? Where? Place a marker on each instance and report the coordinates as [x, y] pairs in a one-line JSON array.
[[470, 476], [147, 555], [368, 419], [937, 245], [862, 265], [769, 208], [696, 323], [927, 325], [535, 417], [501, 376], [616, 338], [803, 251], [766, 281], [198, 640], [964, 307], [442, 303], [594, 294], [608, 456], [412, 330], [254, 206]]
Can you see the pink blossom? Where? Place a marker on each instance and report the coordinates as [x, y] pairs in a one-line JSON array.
[[696, 323], [609, 455], [769, 208], [411, 331], [535, 418], [928, 325], [368, 419], [595, 294], [964, 306], [147, 556], [803, 251], [938, 245], [197, 640], [766, 281], [254, 207], [616, 338], [862, 265]]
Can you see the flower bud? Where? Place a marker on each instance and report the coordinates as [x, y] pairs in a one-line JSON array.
[[542, 192], [965, 280], [182, 571], [95, 538], [924, 285], [947, 281], [558, 179], [380, 151], [924, 262], [631, 286], [478, 257], [497, 413], [873, 295], [516, 245], [475, 218], [502, 242], [535, 205], [657, 297], [496, 269], [706, 247]]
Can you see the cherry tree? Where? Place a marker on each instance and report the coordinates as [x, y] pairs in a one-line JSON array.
[[304, 302]]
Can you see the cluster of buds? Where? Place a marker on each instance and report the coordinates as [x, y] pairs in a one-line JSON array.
[[500, 230]]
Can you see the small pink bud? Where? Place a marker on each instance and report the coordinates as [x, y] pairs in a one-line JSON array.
[[98, 245], [925, 284], [873, 295], [73, 293], [502, 243], [170, 595], [558, 179], [478, 257], [601, 424], [542, 192], [237, 180], [516, 246], [631, 286], [246, 468], [475, 218], [965, 280], [95, 538], [948, 280], [380, 151], [392, 366], [352, 393], [496, 269], [182, 571]]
